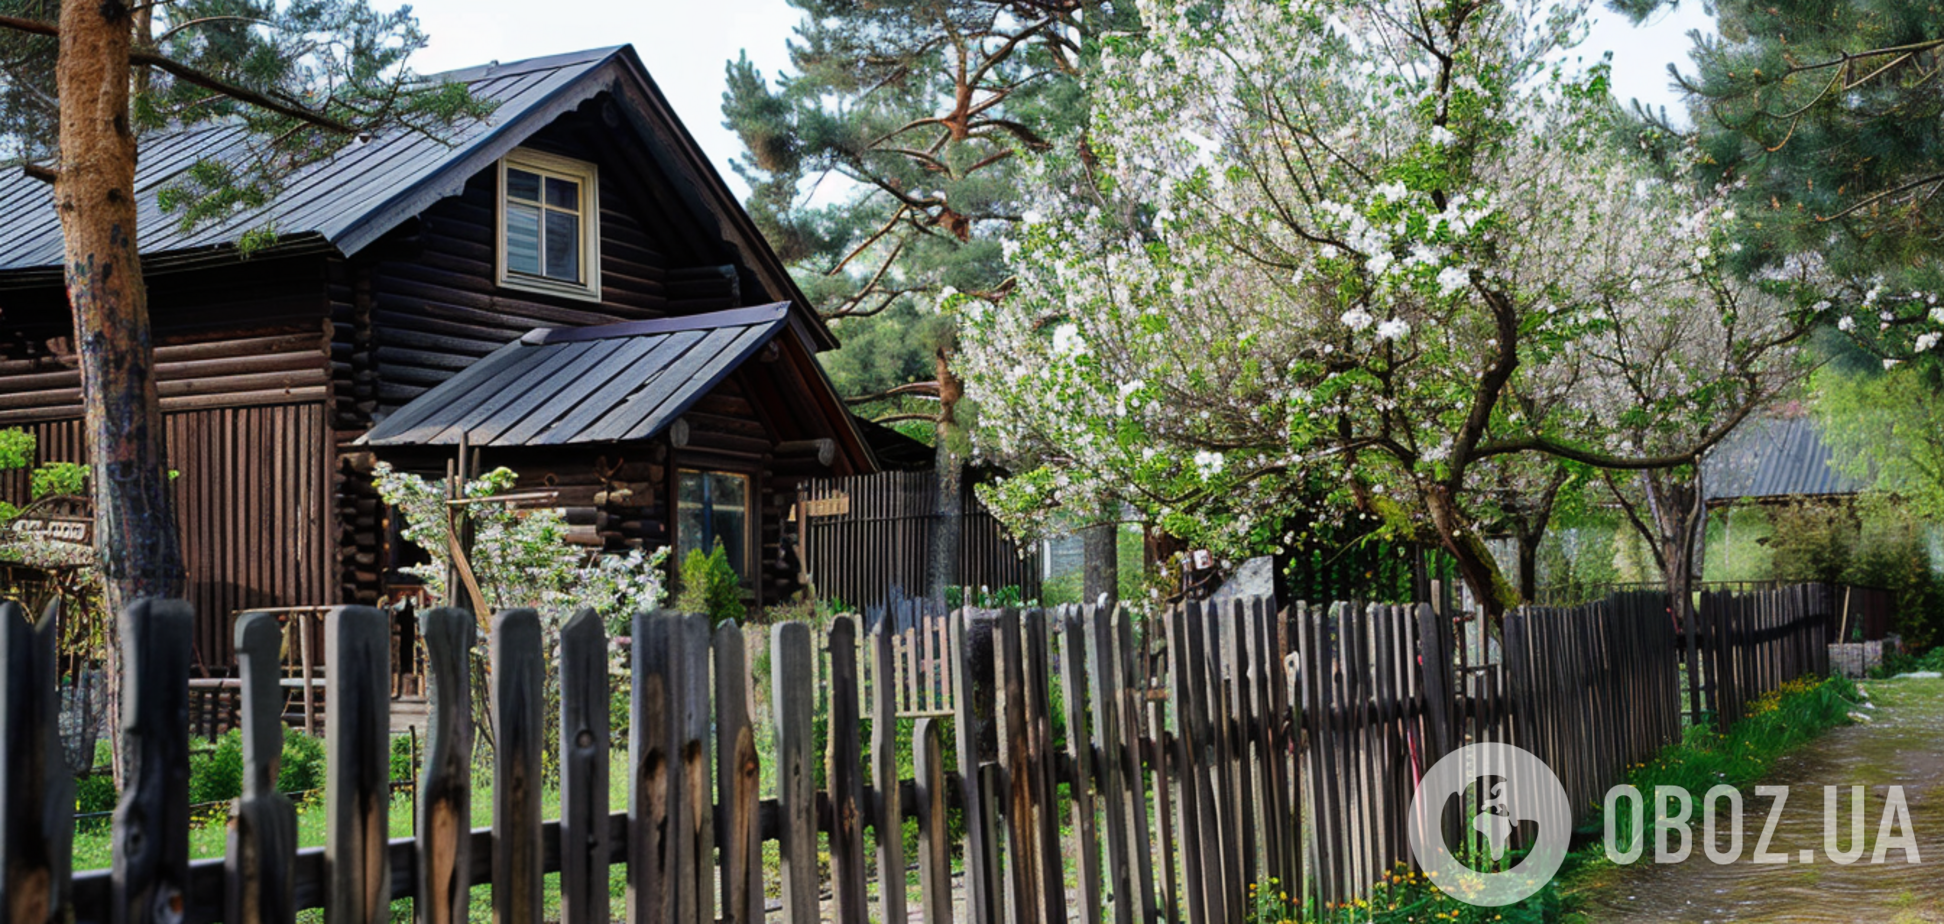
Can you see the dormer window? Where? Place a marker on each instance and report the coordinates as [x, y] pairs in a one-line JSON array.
[[549, 225]]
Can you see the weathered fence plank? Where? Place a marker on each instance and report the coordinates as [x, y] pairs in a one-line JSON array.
[[263, 826], [1073, 690], [519, 722], [36, 789], [739, 778], [445, 783], [790, 698], [650, 727], [584, 751], [934, 851], [887, 821], [845, 775], [357, 776]]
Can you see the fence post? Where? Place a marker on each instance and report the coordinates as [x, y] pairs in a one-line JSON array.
[[357, 776], [887, 817], [444, 845], [151, 842], [934, 856], [36, 818], [1073, 689], [263, 828], [519, 703], [972, 703], [796, 792], [739, 778], [584, 744], [844, 775]]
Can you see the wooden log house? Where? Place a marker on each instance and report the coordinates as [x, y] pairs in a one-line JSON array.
[[663, 367]]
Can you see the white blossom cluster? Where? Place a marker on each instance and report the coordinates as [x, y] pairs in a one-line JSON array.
[[1299, 241]]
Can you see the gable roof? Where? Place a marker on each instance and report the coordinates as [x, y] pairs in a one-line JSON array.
[[346, 202], [1773, 457], [556, 386]]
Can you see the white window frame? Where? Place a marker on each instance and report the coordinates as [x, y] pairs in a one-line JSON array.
[[566, 168]]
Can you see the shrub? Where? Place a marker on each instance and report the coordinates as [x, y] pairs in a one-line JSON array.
[[303, 763], [216, 769], [710, 586]]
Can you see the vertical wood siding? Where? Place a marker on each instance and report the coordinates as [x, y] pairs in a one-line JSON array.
[[251, 498], [884, 541]]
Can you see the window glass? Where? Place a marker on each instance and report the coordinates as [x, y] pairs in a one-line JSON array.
[[563, 194], [546, 223], [712, 506], [522, 184], [563, 246], [523, 238]]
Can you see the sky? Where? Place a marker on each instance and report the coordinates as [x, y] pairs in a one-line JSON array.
[[686, 43]]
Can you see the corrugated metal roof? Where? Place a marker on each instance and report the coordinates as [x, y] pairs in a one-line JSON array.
[[585, 384], [1773, 457], [348, 199]]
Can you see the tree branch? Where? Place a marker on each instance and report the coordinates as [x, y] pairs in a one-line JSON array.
[[194, 77]]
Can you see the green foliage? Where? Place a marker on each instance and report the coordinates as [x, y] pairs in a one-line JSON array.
[[16, 449], [404, 759], [1882, 428], [1824, 119], [59, 478], [710, 586], [216, 770], [927, 171], [1878, 542], [1903, 662]]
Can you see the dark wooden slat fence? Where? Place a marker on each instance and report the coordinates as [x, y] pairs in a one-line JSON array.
[[1194, 746]]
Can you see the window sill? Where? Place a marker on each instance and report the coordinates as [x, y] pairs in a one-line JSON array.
[[544, 287]]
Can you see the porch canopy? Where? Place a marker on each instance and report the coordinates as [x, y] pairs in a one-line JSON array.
[[614, 382]]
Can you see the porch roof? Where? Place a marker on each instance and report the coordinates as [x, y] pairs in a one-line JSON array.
[[609, 383]]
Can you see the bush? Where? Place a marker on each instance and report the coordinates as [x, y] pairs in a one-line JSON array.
[[303, 763], [710, 586], [216, 769], [1878, 542]]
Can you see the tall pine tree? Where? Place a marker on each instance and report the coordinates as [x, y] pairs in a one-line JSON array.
[[1827, 118], [885, 170]]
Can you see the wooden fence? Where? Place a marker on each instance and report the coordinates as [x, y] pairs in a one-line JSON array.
[[1753, 643], [1104, 764], [868, 536]]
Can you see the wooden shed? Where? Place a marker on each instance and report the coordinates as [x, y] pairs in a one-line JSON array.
[[578, 228]]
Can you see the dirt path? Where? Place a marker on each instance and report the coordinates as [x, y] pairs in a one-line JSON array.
[[1903, 744]]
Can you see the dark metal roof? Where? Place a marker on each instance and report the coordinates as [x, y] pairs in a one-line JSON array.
[[348, 199], [614, 382], [1773, 457]]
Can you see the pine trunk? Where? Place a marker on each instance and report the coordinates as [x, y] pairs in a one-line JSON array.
[[948, 527], [94, 193]]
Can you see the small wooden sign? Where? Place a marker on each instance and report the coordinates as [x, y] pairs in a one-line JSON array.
[[57, 518], [54, 529], [834, 506]]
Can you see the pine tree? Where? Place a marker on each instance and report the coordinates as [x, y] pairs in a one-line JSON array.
[[917, 113], [1828, 118], [79, 84]]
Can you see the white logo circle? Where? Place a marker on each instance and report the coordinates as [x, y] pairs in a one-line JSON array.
[[1513, 787]]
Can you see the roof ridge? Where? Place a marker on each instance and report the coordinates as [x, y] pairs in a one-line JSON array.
[[495, 69]]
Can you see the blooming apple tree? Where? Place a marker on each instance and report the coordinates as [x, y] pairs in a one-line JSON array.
[[1366, 245]]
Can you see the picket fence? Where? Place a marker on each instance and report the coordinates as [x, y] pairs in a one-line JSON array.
[[1205, 750]]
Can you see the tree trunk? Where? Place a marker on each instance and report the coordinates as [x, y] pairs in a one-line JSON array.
[[94, 193], [1529, 565], [1474, 561], [948, 528], [1100, 545], [1676, 508]]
